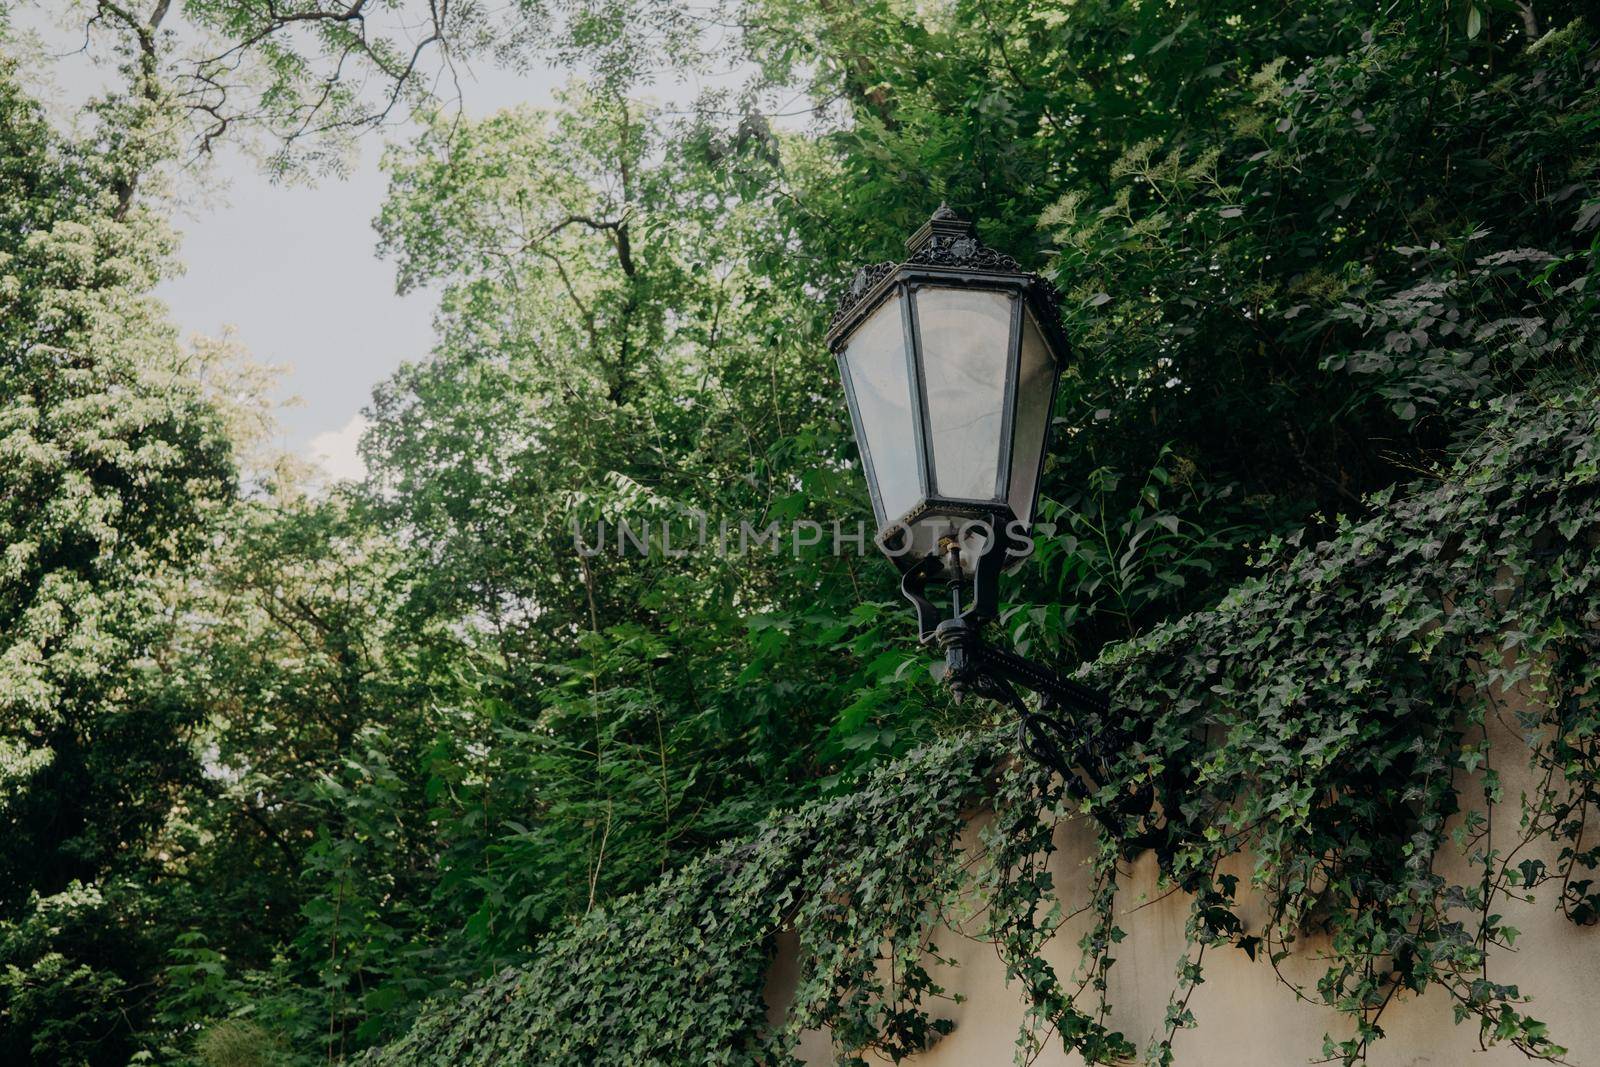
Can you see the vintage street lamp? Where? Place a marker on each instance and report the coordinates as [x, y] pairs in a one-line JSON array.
[[950, 360]]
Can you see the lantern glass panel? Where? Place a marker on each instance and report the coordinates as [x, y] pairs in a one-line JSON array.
[[965, 337], [875, 366], [1036, 375]]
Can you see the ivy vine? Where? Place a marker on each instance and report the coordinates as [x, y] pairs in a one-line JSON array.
[[1325, 719]]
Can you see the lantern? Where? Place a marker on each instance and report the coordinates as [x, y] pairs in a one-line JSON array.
[[950, 360]]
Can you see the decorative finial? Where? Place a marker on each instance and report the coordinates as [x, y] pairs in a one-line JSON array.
[[944, 214]]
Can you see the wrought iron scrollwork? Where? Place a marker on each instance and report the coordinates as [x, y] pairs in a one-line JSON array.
[[945, 242], [865, 280], [963, 251]]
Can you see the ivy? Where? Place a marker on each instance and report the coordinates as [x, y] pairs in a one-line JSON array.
[[1326, 719]]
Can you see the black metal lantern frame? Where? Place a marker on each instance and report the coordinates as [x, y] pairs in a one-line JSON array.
[[945, 256], [962, 541]]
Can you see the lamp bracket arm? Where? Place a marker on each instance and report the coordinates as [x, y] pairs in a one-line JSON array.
[[1055, 692], [1056, 733], [1070, 731]]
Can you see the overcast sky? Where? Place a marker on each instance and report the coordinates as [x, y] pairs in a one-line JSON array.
[[295, 272], [293, 269]]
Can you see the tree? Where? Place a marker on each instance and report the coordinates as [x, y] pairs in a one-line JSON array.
[[300, 80], [413, 729], [113, 468], [305, 852], [608, 354]]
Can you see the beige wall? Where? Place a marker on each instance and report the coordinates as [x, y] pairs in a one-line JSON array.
[[1245, 1015]]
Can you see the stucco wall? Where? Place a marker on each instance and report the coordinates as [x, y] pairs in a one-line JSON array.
[[1246, 1015]]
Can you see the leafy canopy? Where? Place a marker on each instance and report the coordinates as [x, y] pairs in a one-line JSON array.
[[276, 769]]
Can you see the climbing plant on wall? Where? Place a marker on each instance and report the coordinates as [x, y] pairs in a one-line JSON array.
[[364, 749], [1325, 719]]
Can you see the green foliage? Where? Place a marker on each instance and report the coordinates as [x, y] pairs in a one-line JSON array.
[[707, 928], [1126, 566], [1295, 243], [346, 754], [112, 468], [307, 852], [1273, 725], [1374, 657]]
